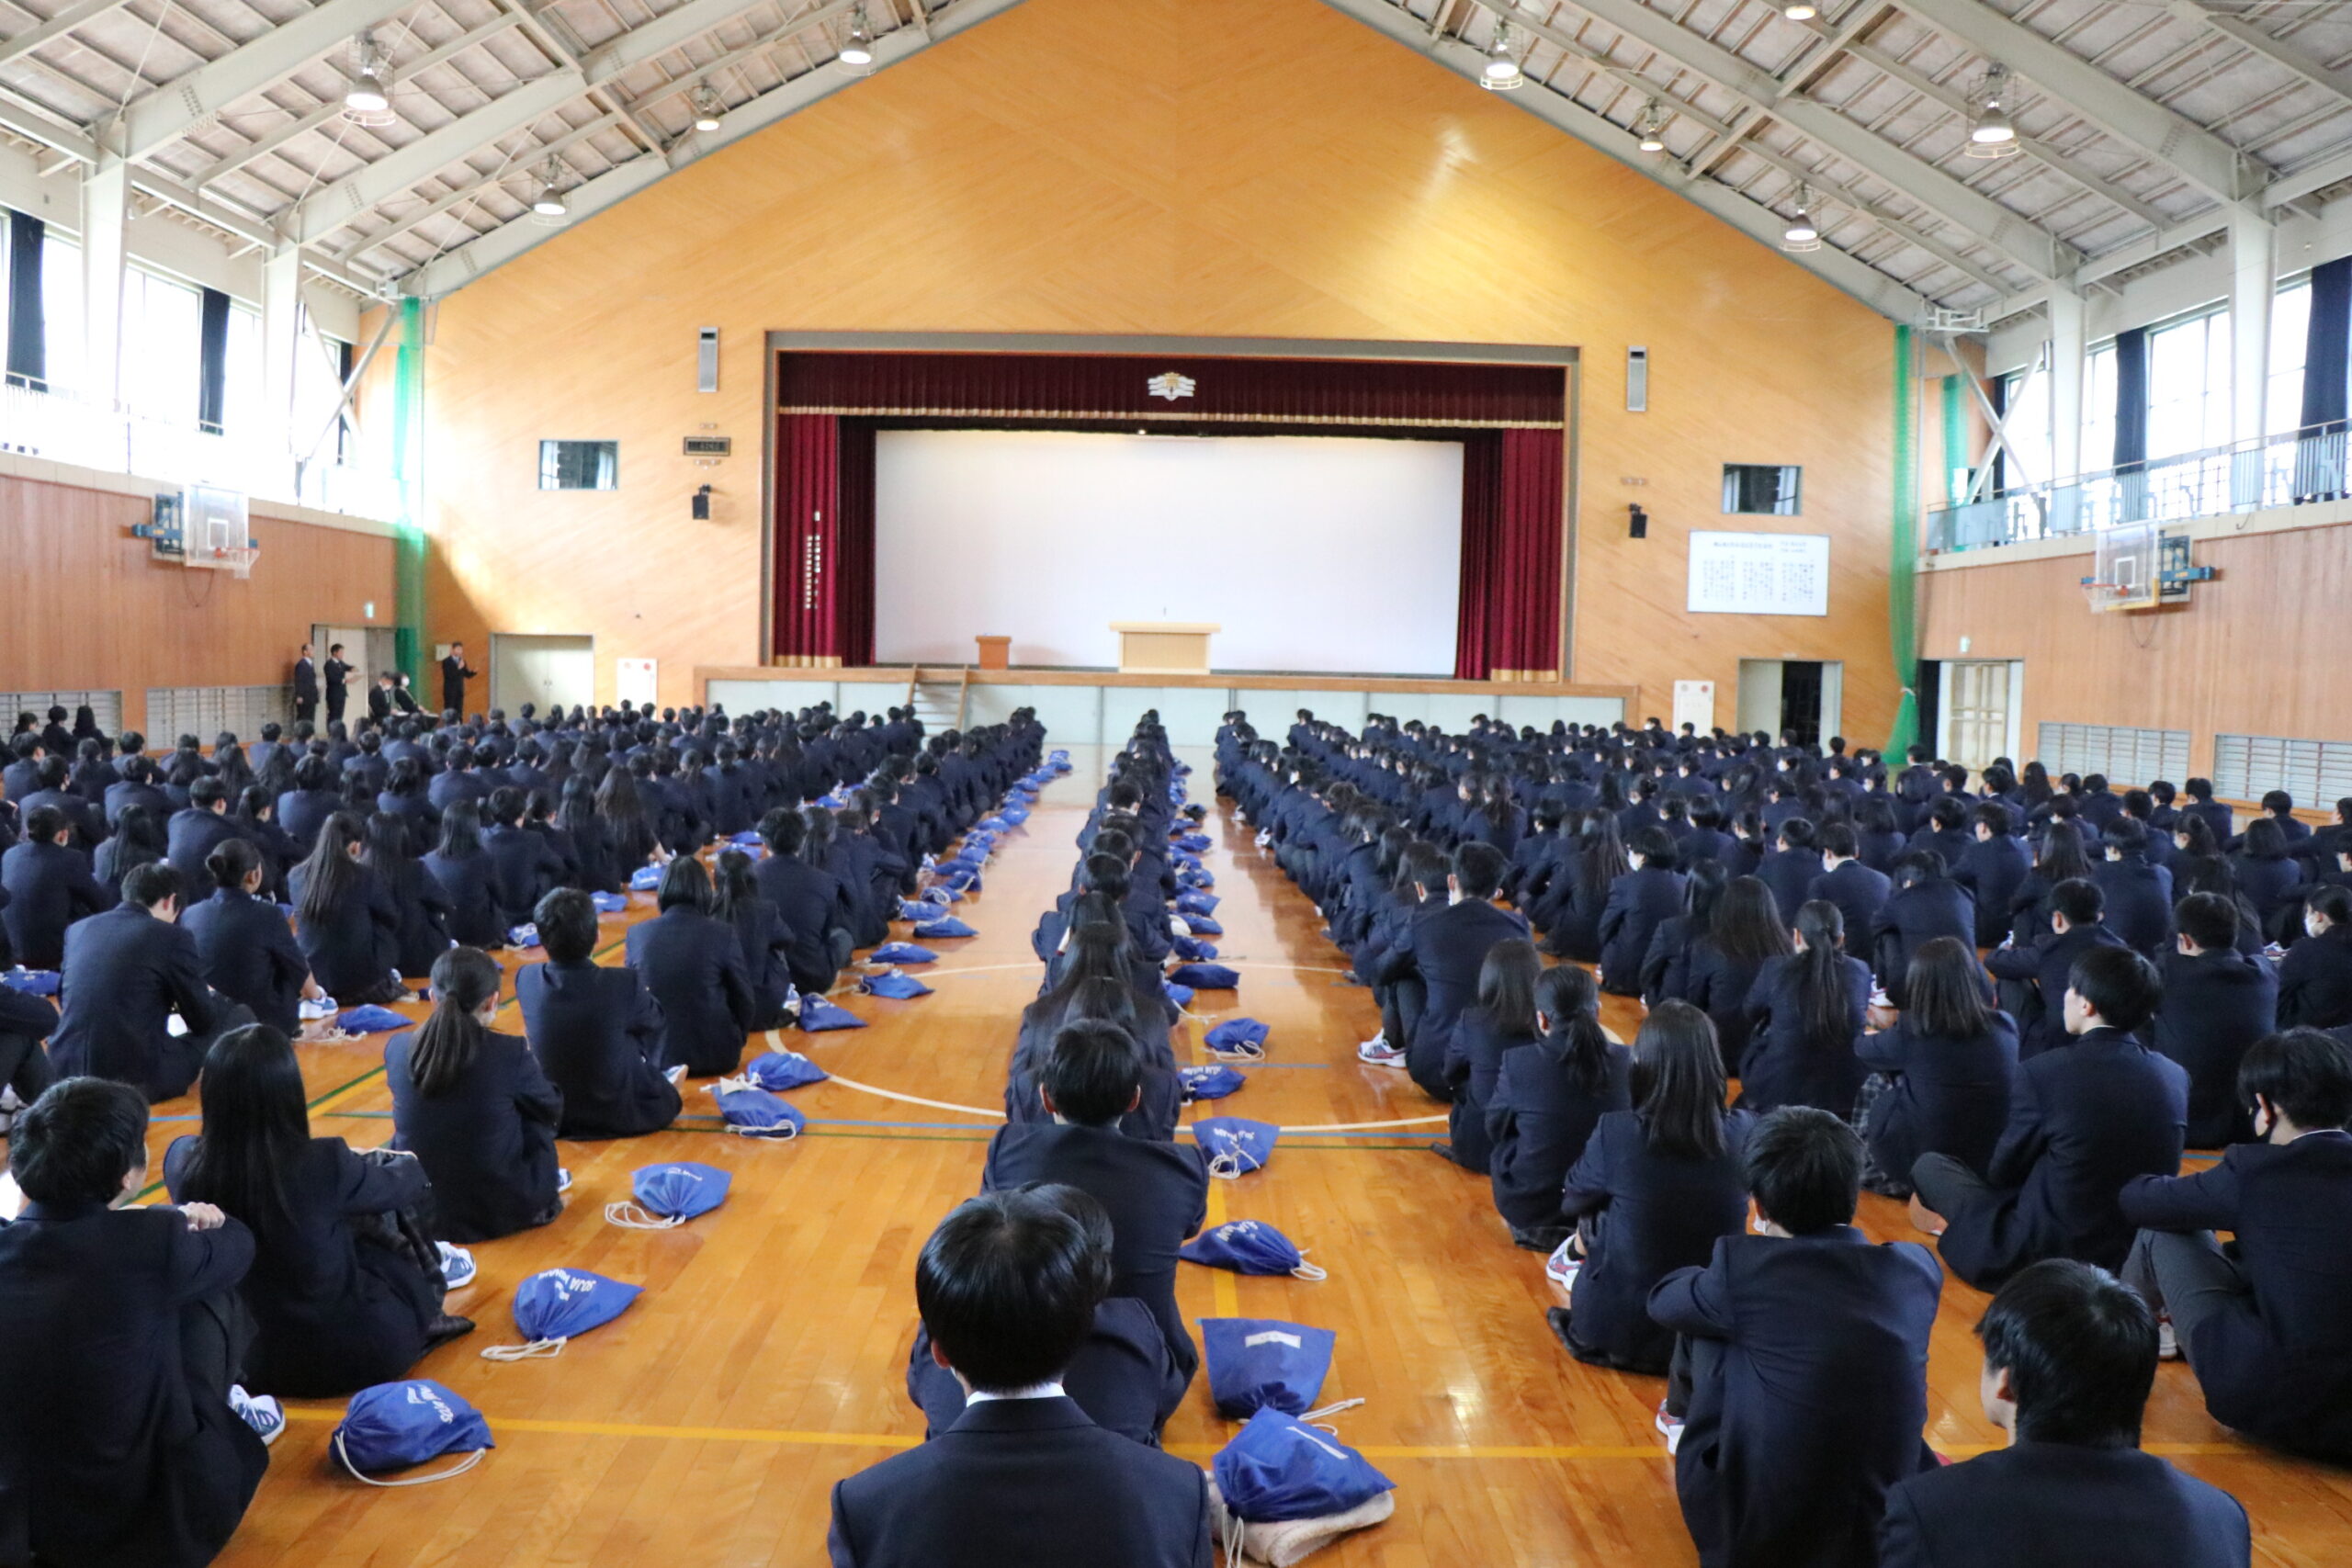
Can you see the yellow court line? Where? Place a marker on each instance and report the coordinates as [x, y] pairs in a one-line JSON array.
[[1224, 1290]]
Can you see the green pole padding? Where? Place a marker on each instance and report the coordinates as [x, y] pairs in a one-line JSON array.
[[408, 477], [1955, 464], [1902, 623]]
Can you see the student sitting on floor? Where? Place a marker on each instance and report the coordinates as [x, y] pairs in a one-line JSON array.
[[1859, 892], [120, 1341], [344, 919], [1008, 1287], [2139, 893], [691, 965], [1652, 1189], [473, 1106], [2033, 979], [1103, 997], [345, 1290], [2070, 1355], [1807, 1354], [2083, 1119], [2218, 1001], [814, 906], [1446, 946], [1650, 893], [1502, 1019], [1805, 1012], [2316, 977], [1548, 1098], [1939, 1073], [125, 972], [247, 951], [2265, 1323], [468, 877], [760, 933], [49, 886], [594, 1028]]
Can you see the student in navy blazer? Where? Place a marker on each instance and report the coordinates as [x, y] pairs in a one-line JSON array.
[[468, 880], [1927, 905], [2083, 1119], [1447, 947], [524, 865], [1008, 1287], [1639, 902], [1790, 869], [2316, 977], [691, 966], [2139, 894], [344, 917], [1745, 934], [1859, 892], [1499, 1021], [2069, 1358], [594, 1028], [1808, 1362], [2265, 1325], [2218, 1001], [245, 948], [49, 887], [813, 905], [1950, 1058], [1805, 1012], [2037, 975], [1992, 867], [125, 972], [1548, 1096]]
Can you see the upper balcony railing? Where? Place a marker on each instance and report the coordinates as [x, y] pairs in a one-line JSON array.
[[2277, 471], [59, 425]]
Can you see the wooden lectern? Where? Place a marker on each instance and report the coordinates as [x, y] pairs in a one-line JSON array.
[[1162, 648]]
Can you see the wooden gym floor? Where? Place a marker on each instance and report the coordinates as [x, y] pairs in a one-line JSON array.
[[766, 1359]]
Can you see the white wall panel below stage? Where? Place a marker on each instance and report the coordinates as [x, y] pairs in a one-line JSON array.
[[1314, 553]]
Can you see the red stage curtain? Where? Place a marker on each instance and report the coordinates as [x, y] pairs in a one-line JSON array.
[[1507, 627], [807, 538], [854, 574]]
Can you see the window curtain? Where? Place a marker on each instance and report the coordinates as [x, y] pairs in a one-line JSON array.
[[213, 361], [27, 330], [1507, 621], [2328, 347], [2131, 424]]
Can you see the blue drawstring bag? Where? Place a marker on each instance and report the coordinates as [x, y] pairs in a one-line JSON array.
[[961, 879], [1016, 815], [556, 1305], [609, 903], [945, 926], [32, 982], [1212, 1082], [1235, 1145], [1194, 842], [1243, 1039], [752, 1113], [749, 839], [1201, 925], [916, 909], [1192, 877], [1196, 903], [990, 825], [778, 1071], [667, 1196], [1181, 994], [1205, 976], [1248, 1246], [394, 1426], [371, 1020], [1279, 1468], [817, 1015], [937, 895], [1192, 949], [522, 936], [645, 879], [1264, 1363], [905, 952], [893, 986]]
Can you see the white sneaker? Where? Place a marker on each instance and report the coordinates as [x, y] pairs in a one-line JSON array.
[[261, 1412], [562, 1179], [1379, 1053], [1561, 1268], [676, 1075], [1671, 1426], [2167, 1342], [1265, 837], [457, 1268]]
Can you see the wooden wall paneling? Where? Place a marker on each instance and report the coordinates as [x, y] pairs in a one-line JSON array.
[[1002, 183]]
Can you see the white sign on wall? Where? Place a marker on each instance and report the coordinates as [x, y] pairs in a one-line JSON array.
[[1759, 574], [1694, 705], [634, 682]]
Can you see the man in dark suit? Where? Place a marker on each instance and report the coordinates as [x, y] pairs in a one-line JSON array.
[[1008, 1287], [117, 1433], [2267, 1325], [2070, 1355], [455, 671], [2083, 1119], [125, 972], [338, 677], [2034, 979], [2217, 1002], [380, 699], [49, 886], [306, 687], [2139, 896], [1805, 1354], [1156, 1193], [1447, 947], [814, 904], [1859, 892], [1991, 867]]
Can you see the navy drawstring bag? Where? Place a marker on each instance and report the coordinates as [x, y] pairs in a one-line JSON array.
[[1194, 877], [645, 879], [1241, 1039], [1181, 994], [1212, 1082], [778, 1071], [556, 1305], [945, 926], [609, 903], [1196, 903], [394, 1426], [906, 951], [1192, 949], [1264, 1363], [1250, 1246], [1279, 1468], [1205, 976], [893, 986], [667, 1196], [817, 1015], [752, 1113], [1201, 925], [32, 982], [1235, 1145], [371, 1020]]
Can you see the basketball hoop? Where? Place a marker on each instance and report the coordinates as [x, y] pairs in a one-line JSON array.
[[2099, 595], [240, 562], [236, 559]]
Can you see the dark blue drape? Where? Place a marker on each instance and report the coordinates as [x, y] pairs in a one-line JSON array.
[[2130, 400], [2329, 345], [28, 332], [213, 361]]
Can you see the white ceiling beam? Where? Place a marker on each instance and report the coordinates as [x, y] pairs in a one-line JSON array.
[[683, 25], [64, 22], [2309, 68], [554, 36], [2313, 176], [469, 189], [172, 111], [509, 241], [2198, 156], [329, 207]]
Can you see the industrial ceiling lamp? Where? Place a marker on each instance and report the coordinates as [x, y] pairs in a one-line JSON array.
[[707, 107], [1649, 127], [368, 99], [1502, 73], [1992, 134], [856, 52], [549, 208], [1802, 233], [1799, 10]]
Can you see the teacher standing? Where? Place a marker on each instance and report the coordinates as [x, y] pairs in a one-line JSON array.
[[454, 671]]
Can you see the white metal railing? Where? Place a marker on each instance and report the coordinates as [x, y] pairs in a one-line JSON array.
[[61, 426], [2293, 470]]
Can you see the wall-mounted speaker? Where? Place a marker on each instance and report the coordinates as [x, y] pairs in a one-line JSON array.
[[1637, 526], [1637, 380], [706, 360]]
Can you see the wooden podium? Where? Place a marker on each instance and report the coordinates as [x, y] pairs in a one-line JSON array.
[[1164, 648]]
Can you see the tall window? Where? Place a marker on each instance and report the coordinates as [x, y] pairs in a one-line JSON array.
[[2099, 409], [163, 344], [240, 390], [2291, 325], [2188, 386], [2025, 394], [317, 388], [60, 310]]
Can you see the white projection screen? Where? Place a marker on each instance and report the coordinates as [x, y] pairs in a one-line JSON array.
[[1333, 554]]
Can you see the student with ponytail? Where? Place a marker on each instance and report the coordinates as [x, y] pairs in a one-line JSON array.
[[243, 944], [1547, 1097], [1805, 1012], [345, 917]]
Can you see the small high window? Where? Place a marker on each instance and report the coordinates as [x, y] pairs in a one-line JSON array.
[[1765, 488], [580, 464]]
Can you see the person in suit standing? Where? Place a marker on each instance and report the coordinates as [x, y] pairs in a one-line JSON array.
[[338, 677], [2070, 1357], [49, 887], [125, 972], [2265, 1324], [2218, 1001], [117, 1350], [1156, 1193], [1447, 947], [306, 687], [1008, 1287], [596, 1029], [692, 966], [2083, 1119], [455, 672], [1806, 1355]]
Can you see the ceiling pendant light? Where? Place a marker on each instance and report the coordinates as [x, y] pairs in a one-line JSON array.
[[549, 208], [1799, 10], [856, 53], [368, 98], [1649, 127], [1802, 233], [1992, 134], [1501, 73], [707, 107]]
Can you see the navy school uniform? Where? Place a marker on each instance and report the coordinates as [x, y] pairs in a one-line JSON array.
[[49, 887], [1538, 1123], [1992, 870], [1950, 1096], [247, 953], [596, 1032], [765, 943], [2062, 1503], [692, 965], [189, 837], [1790, 874], [2040, 972], [488, 1143], [813, 906], [2215, 1005], [469, 884], [2270, 886], [2315, 980], [1783, 1064], [125, 972], [2138, 902], [1473, 1065], [523, 868], [1447, 946], [1638, 902], [1860, 893], [422, 932], [351, 950], [1929, 907], [1123, 1376]]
